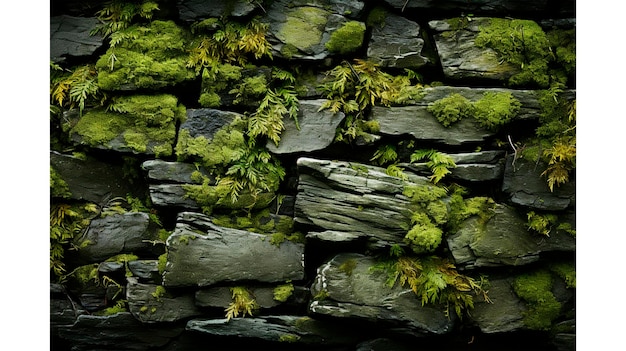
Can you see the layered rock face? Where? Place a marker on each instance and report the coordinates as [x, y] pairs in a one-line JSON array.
[[313, 175]]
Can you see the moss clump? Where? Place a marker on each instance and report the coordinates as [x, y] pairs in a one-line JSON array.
[[119, 307], [348, 266], [462, 209], [376, 17], [496, 109], [145, 57], [424, 236], [145, 123], [226, 147], [522, 43], [491, 111], [535, 289], [451, 109], [58, 187], [566, 271], [289, 338], [346, 39], [283, 292], [424, 193], [223, 77]]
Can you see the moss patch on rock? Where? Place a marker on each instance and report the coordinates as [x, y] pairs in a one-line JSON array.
[[140, 123], [304, 27], [148, 57], [346, 39], [535, 289]]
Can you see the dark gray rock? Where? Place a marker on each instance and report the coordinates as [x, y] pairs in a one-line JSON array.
[[504, 314], [70, 37], [171, 172], [146, 270], [171, 195], [201, 254], [130, 232], [354, 198], [282, 329], [488, 157], [500, 7], [317, 129], [397, 42], [362, 293], [207, 121], [198, 10], [526, 187], [503, 240], [150, 305], [120, 331], [93, 180], [478, 172]]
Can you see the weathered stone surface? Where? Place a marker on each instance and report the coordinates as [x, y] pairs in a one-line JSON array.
[[207, 121], [336, 236], [173, 195], [149, 305], [201, 254], [489, 157], [503, 240], [70, 37], [300, 29], [120, 331], [397, 42], [92, 180], [504, 314], [526, 187], [459, 56], [478, 172], [353, 198], [317, 129], [222, 297], [115, 234], [361, 293], [502, 7], [166, 171], [198, 10], [282, 328], [63, 310], [145, 270]]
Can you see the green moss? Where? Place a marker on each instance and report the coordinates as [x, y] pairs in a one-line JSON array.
[[535, 289], [462, 209], [346, 39], [223, 78], [144, 122], [184, 239], [348, 266], [145, 57], [424, 236], [58, 187], [288, 51], [122, 258], [304, 27], [162, 263], [283, 292], [210, 99], [566, 271], [496, 109], [159, 292], [451, 109], [424, 193], [438, 211], [119, 307], [376, 17], [522, 43]]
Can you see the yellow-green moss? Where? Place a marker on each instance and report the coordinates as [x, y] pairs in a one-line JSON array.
[[566, 271], [289, 338], [152, 57], [162, 263], [58, 187], [451, 109], [304, 27], [283, 292], [535, 289], [376, 17], [424, 193], [522, 43], [348, 266], [347, 38], [424, 236]]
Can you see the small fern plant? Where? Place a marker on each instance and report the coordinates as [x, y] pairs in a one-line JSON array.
[[77, 88], [118, 15], [242, 303], [438, 162]]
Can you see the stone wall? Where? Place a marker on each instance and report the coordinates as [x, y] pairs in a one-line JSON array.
[[313, 175]]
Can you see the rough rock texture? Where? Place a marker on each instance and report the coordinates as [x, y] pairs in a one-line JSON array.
[[498, 7], [115, 234], [149, 305], [526, 187], [503, 240], [70, 37], [360, 293], [353, 198], [201, 254], [397, 42], [317, 129], [92, 180], [166, 171], [120, 331], [198, 10], [173, 195], [504, 314]]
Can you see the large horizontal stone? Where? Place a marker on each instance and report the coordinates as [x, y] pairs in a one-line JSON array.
[[71, 37], [150, 305], [201, 253]]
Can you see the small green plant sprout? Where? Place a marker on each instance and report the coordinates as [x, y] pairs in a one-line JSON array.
[[283, 292], [438, 162], [77, 88], [118, 15], [242, 303], [434, 280], [119, 307], [542, 224], [385, 154]]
